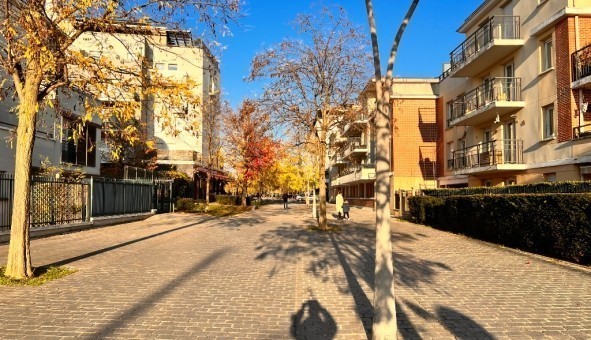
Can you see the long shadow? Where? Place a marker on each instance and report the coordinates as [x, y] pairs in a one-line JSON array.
[[148, 302], [117, 246], [354, 250], [461, 325]]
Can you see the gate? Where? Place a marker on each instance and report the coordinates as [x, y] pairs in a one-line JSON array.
[[162, 198]]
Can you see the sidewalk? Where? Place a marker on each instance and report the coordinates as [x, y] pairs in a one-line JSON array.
[[264, 275]]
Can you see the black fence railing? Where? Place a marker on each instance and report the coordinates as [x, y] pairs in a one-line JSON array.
[[581, 63], [503, 151], [497, 89], [537, 188], [62, 201], [498, 27]]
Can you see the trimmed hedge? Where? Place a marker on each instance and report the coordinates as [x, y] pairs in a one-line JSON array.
[[189, 205], [231, 199], [535, 188], [557, 225]]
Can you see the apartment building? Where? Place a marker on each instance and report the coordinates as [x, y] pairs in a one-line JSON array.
[[173, 54], [414, 144], [515, 95], [60, 140]]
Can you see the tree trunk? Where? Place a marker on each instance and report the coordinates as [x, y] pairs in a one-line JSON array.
[[207, 180], [244, 191], [18, 264], [322, 221]]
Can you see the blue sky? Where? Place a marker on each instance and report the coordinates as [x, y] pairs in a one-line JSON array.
[[425, 45]]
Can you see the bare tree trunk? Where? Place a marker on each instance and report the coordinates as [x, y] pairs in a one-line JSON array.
[[207, 180], [322, 221], [18, 264], [384, 323]]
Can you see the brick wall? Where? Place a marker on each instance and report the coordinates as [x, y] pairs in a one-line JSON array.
[[415, 138], [564, 44]]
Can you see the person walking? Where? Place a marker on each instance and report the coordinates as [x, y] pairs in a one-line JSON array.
[[339, 204], [285, 201], [346, 209]]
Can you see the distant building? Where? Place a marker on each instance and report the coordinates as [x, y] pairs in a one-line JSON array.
[[413, 147], [516, 95]]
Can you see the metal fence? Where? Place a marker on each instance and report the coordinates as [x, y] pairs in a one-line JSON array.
[[61, 201], [115, 197]]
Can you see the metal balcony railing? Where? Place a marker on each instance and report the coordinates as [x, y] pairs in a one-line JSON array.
[[503, 151], [498, 27], [498, 89], [581, 61], [582, 131]]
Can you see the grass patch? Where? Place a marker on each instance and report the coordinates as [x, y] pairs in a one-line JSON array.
[[222, 210], [41, 276], [331, 228]]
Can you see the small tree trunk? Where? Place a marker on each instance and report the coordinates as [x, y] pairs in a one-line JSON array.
[[207, 180], [244, 191], [18, 264], [322, 221]]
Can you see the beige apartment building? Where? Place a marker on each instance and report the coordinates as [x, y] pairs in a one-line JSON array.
[[176, 55], [515, 97], [414, 144]]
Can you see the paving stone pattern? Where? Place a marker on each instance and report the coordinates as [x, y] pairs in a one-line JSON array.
[[265, 275]]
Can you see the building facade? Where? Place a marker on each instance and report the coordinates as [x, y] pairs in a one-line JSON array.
[[413, 144], [515, 95]]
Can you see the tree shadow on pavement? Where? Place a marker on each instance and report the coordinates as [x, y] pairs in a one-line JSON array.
[[353, 250], [107, 330], [127, 243]]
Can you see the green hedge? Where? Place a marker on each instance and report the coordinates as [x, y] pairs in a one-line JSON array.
[[557, 225], [535, 188], [231, 199], [189, 205]]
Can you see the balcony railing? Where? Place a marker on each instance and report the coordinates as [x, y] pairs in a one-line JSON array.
[[504, 151], [581, 61], [582, 131], [498, 89], [498, 27]]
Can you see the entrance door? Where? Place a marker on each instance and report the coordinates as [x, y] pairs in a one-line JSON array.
[[508, 84]]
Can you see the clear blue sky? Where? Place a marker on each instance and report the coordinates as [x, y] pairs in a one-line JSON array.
[[425, 46]]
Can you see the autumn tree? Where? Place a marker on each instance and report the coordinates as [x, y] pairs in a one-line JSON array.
[[313, 80], [38, 55], [212, 144], [250, 148], [384, 323]]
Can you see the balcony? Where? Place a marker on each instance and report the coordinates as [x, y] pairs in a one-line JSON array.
[[581, 63], [495, 40], [356, 148], [358, 173], [493, 156], [356, 128], [496, 97], [582, 131], [337, 158]]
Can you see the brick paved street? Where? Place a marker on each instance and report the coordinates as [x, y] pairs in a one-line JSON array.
[[263, 275]]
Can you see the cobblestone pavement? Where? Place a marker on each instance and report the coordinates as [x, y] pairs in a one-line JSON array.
[[265, 275]]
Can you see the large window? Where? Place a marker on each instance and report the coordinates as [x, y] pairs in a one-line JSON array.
[[78, 143], [547, 55], [548, 121]]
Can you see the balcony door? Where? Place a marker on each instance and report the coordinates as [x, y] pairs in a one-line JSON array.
[[509, 143], [508, 83]]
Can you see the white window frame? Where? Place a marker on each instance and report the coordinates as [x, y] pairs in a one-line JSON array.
[[173, 67], [548, 129], [547, 57]]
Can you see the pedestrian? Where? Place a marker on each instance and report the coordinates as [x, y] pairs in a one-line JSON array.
[[346, 209], [339, 204], [285, 201]]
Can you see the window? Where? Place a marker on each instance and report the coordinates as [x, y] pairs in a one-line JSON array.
[[547, 55], [95, 54], [548, 121], [550, 177], [78, 146], [172, 67], [159, 66], [450, 107]]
